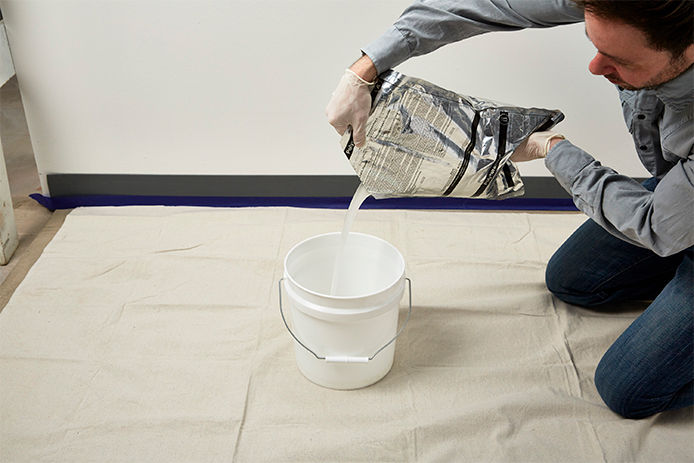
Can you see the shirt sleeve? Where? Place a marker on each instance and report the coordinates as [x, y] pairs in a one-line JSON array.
[[427, 25], [660, 220]]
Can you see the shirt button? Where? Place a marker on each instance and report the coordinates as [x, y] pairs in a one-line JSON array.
[[641, 116]]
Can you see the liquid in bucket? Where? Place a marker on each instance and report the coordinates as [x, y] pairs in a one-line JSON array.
[[339, 268]]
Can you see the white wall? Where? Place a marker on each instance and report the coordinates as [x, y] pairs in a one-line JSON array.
[[239, 87]]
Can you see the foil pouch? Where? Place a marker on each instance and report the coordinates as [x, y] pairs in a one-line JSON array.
[[423, 140]]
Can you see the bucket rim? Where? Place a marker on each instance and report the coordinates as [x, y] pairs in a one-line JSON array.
[[386, 288]]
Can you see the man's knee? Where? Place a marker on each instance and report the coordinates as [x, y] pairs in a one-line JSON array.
[[567, 284], [620, 392], [555, 277]]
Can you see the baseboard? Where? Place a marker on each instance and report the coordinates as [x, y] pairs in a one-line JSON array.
[[239, 185], [203, 185]]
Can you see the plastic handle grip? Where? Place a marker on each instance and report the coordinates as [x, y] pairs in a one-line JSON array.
[[345, 359]]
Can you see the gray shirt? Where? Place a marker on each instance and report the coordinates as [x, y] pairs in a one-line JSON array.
[[659, 119]]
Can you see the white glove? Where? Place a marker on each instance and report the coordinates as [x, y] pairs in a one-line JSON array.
[[535, 146], [350, 106]]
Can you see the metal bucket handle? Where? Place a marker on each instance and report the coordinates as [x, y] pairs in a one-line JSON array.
[[347, 358]]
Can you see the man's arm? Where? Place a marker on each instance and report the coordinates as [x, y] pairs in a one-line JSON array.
[[365, 68], [661, 221], [429, 24]]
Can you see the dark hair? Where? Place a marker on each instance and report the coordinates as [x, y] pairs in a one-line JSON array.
[[667, 24]]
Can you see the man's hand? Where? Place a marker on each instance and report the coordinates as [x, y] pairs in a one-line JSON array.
[[536, 146], [351, 101]]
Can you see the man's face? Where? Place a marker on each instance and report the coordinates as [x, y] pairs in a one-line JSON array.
[[625, 58]]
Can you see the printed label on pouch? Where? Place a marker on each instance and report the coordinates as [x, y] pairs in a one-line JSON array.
[[423, 140]]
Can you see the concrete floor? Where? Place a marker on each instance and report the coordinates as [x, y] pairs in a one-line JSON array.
[[35, 224]]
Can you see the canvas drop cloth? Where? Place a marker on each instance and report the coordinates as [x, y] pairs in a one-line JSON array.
[[149, 334]]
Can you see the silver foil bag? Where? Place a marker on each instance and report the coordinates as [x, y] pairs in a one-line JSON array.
[[423, 140]]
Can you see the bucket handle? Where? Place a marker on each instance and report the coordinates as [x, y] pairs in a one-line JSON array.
[[347, 358]]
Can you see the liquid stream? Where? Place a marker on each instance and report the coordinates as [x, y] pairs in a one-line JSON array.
[[359, 197]]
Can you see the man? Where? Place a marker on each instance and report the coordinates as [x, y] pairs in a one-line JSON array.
[[639, 241]]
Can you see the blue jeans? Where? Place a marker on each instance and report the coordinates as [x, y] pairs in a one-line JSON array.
[[650, 367]]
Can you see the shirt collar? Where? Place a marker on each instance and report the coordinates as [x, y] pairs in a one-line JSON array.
[[678, 93]]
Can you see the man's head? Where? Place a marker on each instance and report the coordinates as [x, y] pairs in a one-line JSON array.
[[640, 44]]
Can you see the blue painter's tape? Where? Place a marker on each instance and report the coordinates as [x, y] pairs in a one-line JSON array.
[[525, 204]]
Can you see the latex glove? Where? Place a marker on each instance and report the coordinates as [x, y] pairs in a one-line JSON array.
[[535, 146], [350, 106]]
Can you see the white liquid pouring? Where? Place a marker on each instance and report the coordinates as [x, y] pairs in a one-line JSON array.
[[357, 200]]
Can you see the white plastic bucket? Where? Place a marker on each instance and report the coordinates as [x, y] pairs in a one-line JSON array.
[[346, 341]]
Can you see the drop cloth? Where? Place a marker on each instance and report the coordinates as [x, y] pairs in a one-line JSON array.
[[153, 334]]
